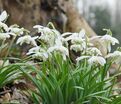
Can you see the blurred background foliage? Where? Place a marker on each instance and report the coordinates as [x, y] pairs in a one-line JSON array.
[[102, 14]]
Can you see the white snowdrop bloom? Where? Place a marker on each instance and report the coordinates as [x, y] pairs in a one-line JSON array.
[[116, 56], [93, 60], [78, 40], [4, 26], [93, 51], [96, 60], [34, 50], [42, 29], [4, 36], [46, 30], [59, 48], [58, 41], [16, 30], [27, 39], [78, 44], [108, 40], [48, 35], [41, 55], [56, 32], [38, 52], [61, 41], [48, 39], [77, 47], [73, 36], [37, 26], [3, 16], [81, 58], [82, 33]]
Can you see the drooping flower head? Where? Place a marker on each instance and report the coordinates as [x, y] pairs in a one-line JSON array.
[[58, 47], [115, 56], [27, 39], [93, 60], [108, 41], [38, 53], [47, 35]]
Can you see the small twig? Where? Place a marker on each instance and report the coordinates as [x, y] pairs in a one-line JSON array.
[[4, 92]]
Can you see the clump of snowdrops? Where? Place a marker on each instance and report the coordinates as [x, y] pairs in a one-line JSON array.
[[60, 81], [57, 79], [8, 35]]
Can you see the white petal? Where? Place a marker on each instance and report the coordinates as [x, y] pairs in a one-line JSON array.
[[3, 36], [5, 27], [81, 58], [97, 59], [82, 33], [3, 16], [66, 34]]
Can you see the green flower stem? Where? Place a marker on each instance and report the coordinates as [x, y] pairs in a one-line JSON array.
[[8, 51], [3, 42]]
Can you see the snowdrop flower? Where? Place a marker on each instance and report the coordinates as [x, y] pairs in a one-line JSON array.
[[116, 56], [73, 36], [3, 16], [40, 55], [81, 58], [77, 39], [78, 44], [59, 48], [63, 50], [48, 35], [16, 30], [93, 51], [77, 47], [82, 33], [42, 29], [108, 40], [38, 52], [4, 36], [34, 50], [61, 41], [4, 26], [96, 60], [48, 39], [27, 39], [92, 60], [46, 30]]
